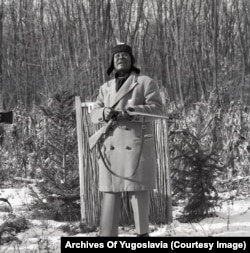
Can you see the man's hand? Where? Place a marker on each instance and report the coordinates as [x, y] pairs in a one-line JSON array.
[[108, 113], [129, 109], [126, 114]]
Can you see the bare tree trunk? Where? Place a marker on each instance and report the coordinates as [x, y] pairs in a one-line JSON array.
[[1, 55], [215, 31], [162, 38], [242, 21], [179, 43]]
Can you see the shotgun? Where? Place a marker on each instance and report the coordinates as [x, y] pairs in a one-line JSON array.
[[93, 140]]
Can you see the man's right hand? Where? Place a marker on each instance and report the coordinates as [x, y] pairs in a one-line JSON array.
[[108, 112]]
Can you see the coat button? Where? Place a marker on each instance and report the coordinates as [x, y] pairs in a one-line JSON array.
[[128, 148], [112, 148]]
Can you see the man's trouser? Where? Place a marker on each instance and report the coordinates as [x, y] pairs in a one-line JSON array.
[[110, 213]]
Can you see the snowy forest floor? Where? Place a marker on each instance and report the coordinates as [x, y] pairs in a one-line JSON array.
[[41, 235]]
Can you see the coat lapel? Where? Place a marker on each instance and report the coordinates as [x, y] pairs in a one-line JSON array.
[[111, 92], [129, 85]]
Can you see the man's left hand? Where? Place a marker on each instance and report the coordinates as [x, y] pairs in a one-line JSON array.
[[126, 116]]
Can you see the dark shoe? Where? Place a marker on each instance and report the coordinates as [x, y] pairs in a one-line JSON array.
[[143, 235]]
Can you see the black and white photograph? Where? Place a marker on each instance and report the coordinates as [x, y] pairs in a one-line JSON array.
[[124, 120]]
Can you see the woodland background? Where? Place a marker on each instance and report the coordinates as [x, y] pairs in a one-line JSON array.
[[198, 52]]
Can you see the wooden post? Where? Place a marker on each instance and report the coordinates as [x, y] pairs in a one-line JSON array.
[[169, 187], [169, 210], [79, 126]]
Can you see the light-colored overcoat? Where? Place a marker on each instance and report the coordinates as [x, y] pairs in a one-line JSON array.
[[122, 146]]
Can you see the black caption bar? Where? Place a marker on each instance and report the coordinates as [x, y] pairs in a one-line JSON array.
[[175, 244]]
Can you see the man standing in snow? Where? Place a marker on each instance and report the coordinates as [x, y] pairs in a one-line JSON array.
[[127, 161]]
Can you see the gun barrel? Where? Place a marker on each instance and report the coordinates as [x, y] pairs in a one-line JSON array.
[[147, 114]]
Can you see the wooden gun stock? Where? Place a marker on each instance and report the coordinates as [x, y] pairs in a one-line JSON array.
[[93, 140]]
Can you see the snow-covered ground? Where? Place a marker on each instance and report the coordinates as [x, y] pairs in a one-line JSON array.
[[233, 219]]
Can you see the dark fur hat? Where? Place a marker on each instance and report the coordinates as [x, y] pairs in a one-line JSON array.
[[122, 48]]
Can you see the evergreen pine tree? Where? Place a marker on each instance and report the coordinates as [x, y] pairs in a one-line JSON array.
[[199, 165], [59, 163]]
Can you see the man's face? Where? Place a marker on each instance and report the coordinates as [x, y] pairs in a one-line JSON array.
[[122, 62]]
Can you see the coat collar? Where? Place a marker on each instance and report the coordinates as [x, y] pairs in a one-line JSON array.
[[128, 85]]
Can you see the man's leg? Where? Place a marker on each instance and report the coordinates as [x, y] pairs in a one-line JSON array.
[[140, 205], [110, 213]]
